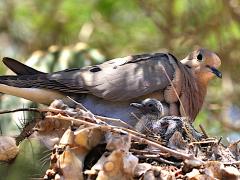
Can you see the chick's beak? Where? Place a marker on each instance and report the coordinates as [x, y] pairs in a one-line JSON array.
[[215, 71], [136, 105]]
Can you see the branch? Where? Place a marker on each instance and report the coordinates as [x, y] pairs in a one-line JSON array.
[[135, 135], [234, 8], [59, 111]]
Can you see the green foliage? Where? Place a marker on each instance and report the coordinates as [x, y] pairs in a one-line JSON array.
[[27, 164]]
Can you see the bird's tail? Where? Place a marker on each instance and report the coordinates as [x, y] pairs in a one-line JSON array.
[[27, 87], [26, 77], [27, 83], [19, 68]]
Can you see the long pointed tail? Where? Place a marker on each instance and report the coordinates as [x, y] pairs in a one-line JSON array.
[[19, 68], [22, 86]]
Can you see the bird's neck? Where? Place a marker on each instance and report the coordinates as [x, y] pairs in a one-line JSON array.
[[194, 89], [202, 89], [203, 79]]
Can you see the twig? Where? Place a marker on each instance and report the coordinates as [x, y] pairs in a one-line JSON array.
[[21, 109], [60, 111], [236, 142], [137, 151], [232, 163], [78, 103], [135, 135], [220, 139], [159, 159], [120, 122], [91, 123], [135, 116], [181, 105], [204, 142], [26, 131], [187, 132], [203, 131], [145, 127]]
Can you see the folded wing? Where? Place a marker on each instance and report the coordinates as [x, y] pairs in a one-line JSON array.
[[116, 80]]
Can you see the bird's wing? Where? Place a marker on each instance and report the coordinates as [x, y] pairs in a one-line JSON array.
[[116, 80], [120, 79]]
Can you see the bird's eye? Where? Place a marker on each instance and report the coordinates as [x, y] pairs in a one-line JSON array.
[[199, 57], [150, 105]]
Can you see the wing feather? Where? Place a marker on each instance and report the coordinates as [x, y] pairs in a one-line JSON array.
[[116, 80], [122, 78]]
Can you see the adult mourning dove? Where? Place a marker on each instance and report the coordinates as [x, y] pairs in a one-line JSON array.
[[108, 88]]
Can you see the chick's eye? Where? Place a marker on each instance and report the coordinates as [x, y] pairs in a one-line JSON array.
[[199, 57], [150, 105]]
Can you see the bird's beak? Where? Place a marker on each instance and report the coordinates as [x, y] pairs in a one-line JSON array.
[[136, 105], [215, 71]]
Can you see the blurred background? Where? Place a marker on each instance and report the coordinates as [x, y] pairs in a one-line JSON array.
[[53, 35]]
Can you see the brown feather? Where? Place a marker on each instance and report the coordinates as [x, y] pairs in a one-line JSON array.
[[192, 93]]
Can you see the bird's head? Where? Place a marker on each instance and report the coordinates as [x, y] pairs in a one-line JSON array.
[[149, 106], [204, 64]]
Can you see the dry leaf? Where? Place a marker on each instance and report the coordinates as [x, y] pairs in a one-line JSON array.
[[8, 148]]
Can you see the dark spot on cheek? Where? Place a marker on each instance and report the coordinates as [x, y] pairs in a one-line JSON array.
[[95, 69]]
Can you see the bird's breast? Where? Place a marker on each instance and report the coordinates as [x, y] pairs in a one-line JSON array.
[[118, 110]]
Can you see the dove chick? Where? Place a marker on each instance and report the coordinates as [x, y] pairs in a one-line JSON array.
[[149, 111], [154, 120]]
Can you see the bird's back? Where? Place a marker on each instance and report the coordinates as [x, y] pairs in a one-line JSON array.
[[115, 80]]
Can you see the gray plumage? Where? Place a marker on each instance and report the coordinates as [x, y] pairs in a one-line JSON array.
[[154, 121], [115, 80], [149, 112]]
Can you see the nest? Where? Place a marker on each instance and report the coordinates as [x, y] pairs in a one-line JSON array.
[[86, 146]]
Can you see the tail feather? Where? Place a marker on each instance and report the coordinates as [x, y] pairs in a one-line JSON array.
[[36, 81], [22, 81], [19, 68]]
